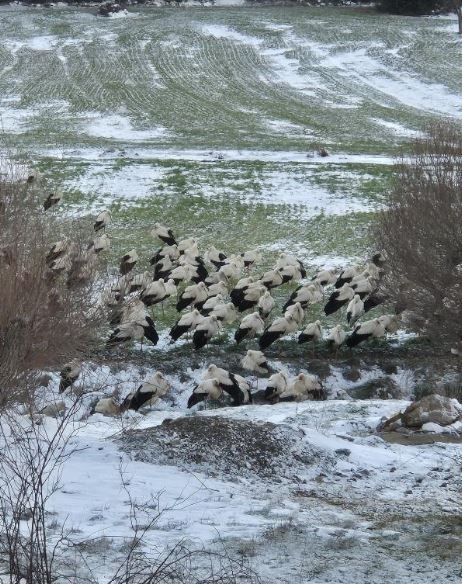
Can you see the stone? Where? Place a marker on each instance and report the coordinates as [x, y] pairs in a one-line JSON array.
[[432, 408], [430, 414]]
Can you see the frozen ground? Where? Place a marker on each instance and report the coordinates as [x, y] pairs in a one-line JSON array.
[[210, 120], [334, 502]]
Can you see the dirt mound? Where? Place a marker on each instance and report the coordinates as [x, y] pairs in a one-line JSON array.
[[227, 448]]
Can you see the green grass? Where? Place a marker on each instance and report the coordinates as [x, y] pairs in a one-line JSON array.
[[89, 92]]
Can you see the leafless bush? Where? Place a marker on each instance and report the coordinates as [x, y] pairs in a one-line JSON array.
[[46, 318], [421, 232], [37, 550], [31, 461]]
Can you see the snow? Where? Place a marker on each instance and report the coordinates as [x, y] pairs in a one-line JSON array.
[[197, 506], [117, 127], [212, 156], [400, 86], [222, 31]]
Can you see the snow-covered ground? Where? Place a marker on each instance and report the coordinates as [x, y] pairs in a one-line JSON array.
[[353, 495], [331, 497]]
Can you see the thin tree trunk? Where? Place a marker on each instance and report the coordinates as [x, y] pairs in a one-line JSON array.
[[459, 17]]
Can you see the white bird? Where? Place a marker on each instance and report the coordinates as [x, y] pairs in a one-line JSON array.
[[326, 277], [134, 331], [205, 330], [251, 257], [290, 260], [361, 286], [232, 384], [69, 375], [338, 299], [290, 274], [251, 297], [251, 325], [255, 362], [206, 389], [163, 233], [192, 295], [216, 277], [188, 243], [128, 262], [225, 313], [278, 328], [390, 322], [107, 406], [312, 332], [190, 256], [244, 388], [266, 304], [272, 279], [277, 384], [237, 293], [182, 274], [218, 288], [185, 324], [210, 304], [61, 264], [164, 267], [215, 257], [133, 310], [57, 250], [303, 387], [336, 337], [368, 329], [306, 294], [355, 309], [155, 293], [102, 220], [148, 393], [296, 312], [170, 251], [231, 270], [346, 276], [100, 243]]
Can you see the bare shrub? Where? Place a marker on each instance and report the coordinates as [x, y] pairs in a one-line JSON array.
[[31, 461], [421, 232], [46, 318]]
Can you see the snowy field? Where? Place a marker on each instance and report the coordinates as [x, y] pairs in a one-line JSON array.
[[206, 115], [210, 120], [335, 503]]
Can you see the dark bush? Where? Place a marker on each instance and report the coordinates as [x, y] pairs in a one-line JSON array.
[[421, 232]]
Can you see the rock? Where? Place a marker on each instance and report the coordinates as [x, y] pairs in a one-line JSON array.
[[343, 451], [432, 408], [109, 8], [54, 410], [430, 414]]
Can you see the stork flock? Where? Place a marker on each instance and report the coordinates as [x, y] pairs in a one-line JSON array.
[[214, 289]]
